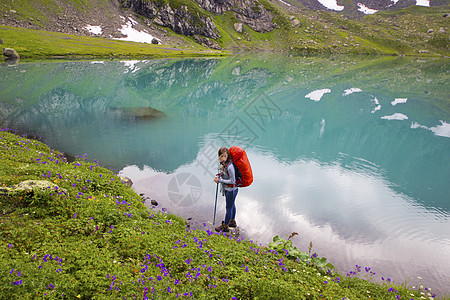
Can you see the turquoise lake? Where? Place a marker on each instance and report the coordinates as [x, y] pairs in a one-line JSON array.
[[352, 153]]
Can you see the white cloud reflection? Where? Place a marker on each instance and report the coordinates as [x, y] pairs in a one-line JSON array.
[[352, 215]]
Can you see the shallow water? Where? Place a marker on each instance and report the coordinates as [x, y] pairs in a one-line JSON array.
[[350, 152]]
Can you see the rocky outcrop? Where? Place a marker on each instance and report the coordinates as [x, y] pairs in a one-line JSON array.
[[249, 12], [12, 57], [181, 20], [197, 23], [353, 8], [206, 42], [29, 192], [125, 180], [32, 186]]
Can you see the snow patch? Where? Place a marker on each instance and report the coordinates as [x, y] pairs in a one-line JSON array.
[[396, 116], [351, 91], [423, 3], [399, 101], [317, 94], [94, 29], [134, 35], [285, 3], [366, 10], [331, 4]]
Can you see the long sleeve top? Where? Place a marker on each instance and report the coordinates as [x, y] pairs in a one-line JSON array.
[[227, 177]]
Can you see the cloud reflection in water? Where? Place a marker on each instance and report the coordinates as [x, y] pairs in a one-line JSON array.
[[348, 210]]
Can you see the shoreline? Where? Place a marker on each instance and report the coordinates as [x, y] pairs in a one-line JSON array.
[[202, 212], [107, 213], [39, 44]]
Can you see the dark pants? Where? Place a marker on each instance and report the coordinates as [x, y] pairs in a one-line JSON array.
[[230, 197]]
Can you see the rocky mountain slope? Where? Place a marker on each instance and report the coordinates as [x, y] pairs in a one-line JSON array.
[[324, 26], [358, 8]]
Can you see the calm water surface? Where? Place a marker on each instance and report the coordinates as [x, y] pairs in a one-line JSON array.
[[353, 153]]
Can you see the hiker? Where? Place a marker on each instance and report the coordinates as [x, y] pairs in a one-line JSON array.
[[226, 177]]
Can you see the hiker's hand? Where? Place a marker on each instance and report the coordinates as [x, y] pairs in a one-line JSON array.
[[216, 179]]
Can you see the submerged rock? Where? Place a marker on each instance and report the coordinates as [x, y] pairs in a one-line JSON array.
[[138, 113]]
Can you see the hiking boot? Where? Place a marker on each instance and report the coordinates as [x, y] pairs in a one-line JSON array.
[[232, 223], [222, 227]]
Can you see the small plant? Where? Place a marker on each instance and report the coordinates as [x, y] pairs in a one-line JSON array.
[[425, 292], [282, 245]]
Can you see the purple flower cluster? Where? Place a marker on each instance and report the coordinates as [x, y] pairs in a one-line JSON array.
[[113, 283], [18, 282], [47, 258]]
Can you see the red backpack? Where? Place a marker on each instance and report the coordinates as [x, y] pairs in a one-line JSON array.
[[243, 170]]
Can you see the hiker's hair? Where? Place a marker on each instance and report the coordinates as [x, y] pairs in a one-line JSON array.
[[225, 150]]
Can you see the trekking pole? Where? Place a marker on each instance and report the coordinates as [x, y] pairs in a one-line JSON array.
[[215, 203]]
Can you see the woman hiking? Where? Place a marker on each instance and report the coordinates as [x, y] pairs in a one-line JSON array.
[[226, 177]]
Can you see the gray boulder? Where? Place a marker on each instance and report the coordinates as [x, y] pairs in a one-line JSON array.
[[295, 22], [31, 186], [10, 53], [125, 180], [238, 27]]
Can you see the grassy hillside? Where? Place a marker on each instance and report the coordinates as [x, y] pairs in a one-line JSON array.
[[31, 43], [411, 31], [80, 233]]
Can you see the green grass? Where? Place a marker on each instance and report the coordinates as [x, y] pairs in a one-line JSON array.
[[396, 32], [40, 11], [86, 235], [37, 44]]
